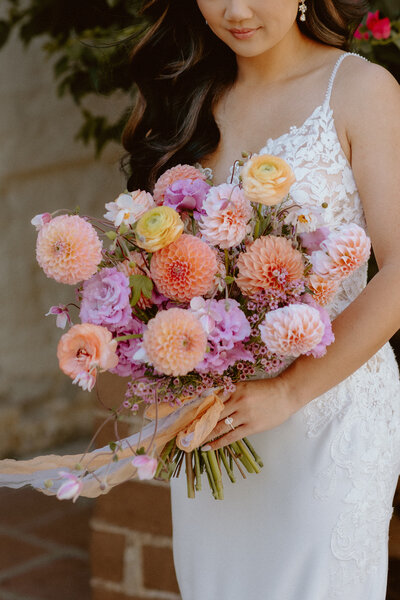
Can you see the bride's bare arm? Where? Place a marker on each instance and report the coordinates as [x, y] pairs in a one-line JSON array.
[[373, 126]]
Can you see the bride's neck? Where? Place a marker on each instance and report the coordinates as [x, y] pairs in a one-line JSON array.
[[278, 63]]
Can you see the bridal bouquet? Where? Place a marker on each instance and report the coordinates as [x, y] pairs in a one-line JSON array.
[[190, 290]]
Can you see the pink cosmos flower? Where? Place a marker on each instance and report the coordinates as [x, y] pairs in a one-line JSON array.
[[292, 330], [146, 466], [71, 488], [63, 316], [380, 28], [227, 219], [39, 220]]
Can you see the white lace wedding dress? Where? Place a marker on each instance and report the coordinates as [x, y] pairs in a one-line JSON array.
[[313, 525]]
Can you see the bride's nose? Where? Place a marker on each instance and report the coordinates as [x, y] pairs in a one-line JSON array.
[[237, 11]]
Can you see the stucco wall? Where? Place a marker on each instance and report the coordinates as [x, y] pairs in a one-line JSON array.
[[42, 168]]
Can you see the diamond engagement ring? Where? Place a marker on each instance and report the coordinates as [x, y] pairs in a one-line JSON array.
[[229, 421]]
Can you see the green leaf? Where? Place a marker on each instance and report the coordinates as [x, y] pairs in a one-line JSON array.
[[111, 235], [113, 446], [140, 284], [141, 450], [229, 279]]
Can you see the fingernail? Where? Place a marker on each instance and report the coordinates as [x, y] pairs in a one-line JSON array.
[[206, 448]]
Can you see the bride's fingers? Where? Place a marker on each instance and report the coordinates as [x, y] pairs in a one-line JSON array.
[[222, 427], [232, 436]]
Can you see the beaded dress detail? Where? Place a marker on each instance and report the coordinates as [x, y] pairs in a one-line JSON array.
[[317, 516]]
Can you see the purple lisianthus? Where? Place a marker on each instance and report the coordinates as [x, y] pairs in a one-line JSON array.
[[187, 194], [126, 349], [313, 240], [227, 327], [105, 299]]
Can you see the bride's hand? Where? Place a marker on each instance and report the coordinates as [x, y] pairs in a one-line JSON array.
[[256, 405]]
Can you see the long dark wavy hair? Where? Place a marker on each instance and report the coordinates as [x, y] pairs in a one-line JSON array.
[[181, 69]]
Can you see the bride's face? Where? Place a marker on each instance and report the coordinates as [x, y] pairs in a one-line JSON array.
[[269, 20]]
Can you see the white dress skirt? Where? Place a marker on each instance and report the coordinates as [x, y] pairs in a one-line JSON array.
[[313, 524]]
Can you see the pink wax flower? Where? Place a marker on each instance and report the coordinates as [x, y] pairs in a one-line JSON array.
[[105, 299], [328, 337], [63, 316], [313, 240], [71, 488], [343, 251], [380, 28], [127, 348], [39, 220], [187, 194], [292, 330], [146, 466]]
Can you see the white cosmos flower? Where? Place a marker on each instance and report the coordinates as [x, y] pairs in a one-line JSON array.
[[129, 207]]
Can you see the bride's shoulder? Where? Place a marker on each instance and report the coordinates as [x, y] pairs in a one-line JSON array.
[[363, 88]]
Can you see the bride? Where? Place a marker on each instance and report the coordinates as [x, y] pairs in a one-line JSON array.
[[218, 77]]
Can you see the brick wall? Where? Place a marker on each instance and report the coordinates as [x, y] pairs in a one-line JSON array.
[[131, 545]]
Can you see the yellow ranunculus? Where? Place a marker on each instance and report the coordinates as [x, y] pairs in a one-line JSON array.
[[157, 228], [267, 179]]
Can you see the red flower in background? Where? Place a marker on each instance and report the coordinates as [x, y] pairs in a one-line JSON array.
[[380, 28]]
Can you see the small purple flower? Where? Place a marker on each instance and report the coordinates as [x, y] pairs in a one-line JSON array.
[[187, 194], [70, 488], [127, 348], [63, 316], [227, 327], [105, 299]]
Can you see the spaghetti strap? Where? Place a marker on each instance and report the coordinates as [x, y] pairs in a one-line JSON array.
[[333, 74]]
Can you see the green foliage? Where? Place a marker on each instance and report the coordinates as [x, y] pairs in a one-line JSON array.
[[90, 42]]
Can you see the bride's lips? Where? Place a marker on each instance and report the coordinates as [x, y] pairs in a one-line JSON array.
[[243, 34]]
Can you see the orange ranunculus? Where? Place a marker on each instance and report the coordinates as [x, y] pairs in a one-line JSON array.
[[266, 179], [84, 349]]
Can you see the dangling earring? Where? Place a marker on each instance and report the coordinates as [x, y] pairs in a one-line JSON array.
[[206, 23], [302, 9]]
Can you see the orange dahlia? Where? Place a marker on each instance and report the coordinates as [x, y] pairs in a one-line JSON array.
[[173, 174], [184, 269], [136, 266], [68, 249], [323, 289], [175, 341], [264, 263]]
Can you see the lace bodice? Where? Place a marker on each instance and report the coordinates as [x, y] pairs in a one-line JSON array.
[[324, 179]]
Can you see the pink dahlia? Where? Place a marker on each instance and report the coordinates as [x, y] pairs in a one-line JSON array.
[[174, 341], [323, 289], [292, 330], [172, 175], [270, 262], [342, 252], [227, 219], [68, 249], [184, 269]]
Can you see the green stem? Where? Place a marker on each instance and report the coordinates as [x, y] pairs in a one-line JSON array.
[[257, 225], [254, 453], [242, 457], [216, 473], [226, 260], [226, 465], [249, 456], [210, 475], [189, 475], [197, 469], [164, 454], [130, 336]]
